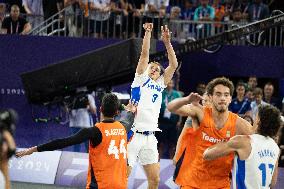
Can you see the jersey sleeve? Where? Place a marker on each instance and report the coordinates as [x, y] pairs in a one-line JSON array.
[[139, 80], [93, 134]]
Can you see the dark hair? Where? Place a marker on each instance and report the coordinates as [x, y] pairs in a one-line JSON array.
[[258, 91], [201, 88], [270, 120], [220, 81], [110, 105], [241, 84], [249, 89], [269, 83]]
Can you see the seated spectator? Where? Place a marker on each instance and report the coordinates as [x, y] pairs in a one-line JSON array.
[[252, 82], [219, 12], [229, 7], [249, 94], [15, 24], [240, 105], [187, 13], [188, 9], [257, 11], [268, 95], [175, 13], [243, 5], [258, 95], [237, 16], [204, 13]]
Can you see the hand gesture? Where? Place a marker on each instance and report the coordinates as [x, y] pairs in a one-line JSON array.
[[194, 98], [28, 151], [131, 107], [166, 34], [148, 27]]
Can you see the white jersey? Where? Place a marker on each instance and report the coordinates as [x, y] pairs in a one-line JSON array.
[[256, 171], [2, 181], [148, 94]]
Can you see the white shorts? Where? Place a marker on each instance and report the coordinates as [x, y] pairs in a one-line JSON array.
[[144, 148]]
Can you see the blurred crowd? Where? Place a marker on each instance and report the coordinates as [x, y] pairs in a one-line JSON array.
[[98, 15]]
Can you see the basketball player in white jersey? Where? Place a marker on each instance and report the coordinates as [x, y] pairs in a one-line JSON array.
[[146, 90], [256, 159]]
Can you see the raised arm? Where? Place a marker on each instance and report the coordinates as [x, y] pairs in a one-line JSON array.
[[128, 120], [182, 106], [173, 63], [144, 56]]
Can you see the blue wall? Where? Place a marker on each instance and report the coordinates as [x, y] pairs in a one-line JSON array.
[[233, 61], [20, 54]]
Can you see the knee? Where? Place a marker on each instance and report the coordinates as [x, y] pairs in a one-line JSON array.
[[154, 180]]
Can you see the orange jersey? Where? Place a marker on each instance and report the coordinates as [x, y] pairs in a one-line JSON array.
[[187, 149], [196, 172], [107, 161], [183, 141]]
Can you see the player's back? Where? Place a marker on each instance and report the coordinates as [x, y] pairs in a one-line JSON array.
[[107, 167], [256, 171]]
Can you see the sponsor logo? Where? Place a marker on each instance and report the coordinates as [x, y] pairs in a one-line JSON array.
[[212, 139]]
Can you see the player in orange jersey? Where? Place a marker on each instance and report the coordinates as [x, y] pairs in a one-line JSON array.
[[107, 152], [186, 144], [189, 127], [216, 124]]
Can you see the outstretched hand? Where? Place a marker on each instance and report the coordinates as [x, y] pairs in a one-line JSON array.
[[194, 98], [131, 107], [25, 152], [166, 34], [148, 27]]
